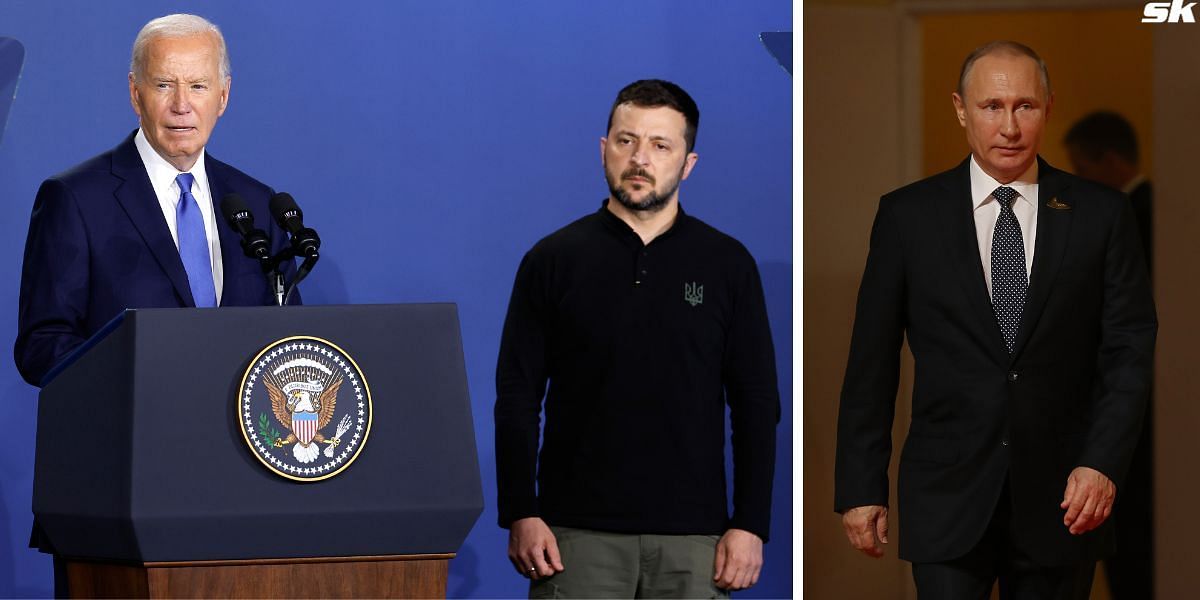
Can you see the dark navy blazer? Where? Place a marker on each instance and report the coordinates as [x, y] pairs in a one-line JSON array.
[[98, 244]]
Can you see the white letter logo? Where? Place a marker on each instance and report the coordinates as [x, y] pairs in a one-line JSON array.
[[1174, 11]]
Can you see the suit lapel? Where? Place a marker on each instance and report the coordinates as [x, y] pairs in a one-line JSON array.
[[231, 250], [1053, 231], [136, 196], [954, 211]]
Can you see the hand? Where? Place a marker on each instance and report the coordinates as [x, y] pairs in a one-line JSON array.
[[1088, 500], [738, 561], [866, 526], [533, 549]]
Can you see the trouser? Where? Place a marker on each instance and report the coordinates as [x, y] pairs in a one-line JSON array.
[[61, 589], [599, 564], [995, 558], [1131, 570]]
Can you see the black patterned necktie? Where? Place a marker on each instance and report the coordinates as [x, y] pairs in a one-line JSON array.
[[1009, 280]]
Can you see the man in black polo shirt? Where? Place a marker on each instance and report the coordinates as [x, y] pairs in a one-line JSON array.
[[646, 322]]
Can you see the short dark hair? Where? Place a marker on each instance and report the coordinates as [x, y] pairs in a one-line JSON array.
[[651, 93], [1103, 131], [1003, 47]]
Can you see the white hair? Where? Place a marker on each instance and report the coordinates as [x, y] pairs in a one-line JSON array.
[[176, 26]]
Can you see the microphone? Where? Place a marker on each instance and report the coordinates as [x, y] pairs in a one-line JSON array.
[[237, 214], [305, 241]]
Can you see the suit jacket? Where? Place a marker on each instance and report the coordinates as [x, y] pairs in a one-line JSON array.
[[1142, 198], [1072, 393], [98, 244]]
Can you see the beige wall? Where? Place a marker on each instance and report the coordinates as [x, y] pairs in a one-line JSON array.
[[863, 131], [852, 142], [1085, 77], [1177, 254]]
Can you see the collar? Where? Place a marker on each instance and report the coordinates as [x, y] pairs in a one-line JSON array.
[[623, 230], [982, 185], [1132, 184], [162, 173]]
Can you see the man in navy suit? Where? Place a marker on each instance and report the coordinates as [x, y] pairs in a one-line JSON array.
[[1024, 297], [136, 227]]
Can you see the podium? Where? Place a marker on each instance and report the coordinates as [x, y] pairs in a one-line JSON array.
[[146, 484]]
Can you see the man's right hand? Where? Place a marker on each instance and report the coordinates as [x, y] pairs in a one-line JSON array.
[[533, 549], [866, 526]]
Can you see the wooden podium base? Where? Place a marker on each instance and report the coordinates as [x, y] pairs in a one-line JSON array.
[[401, 576]]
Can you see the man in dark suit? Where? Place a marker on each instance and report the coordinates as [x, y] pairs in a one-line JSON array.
[[1103, 147], [136, 226], [1024, 297]]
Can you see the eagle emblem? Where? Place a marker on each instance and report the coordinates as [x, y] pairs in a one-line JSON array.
[[306, 385], [305, 405]]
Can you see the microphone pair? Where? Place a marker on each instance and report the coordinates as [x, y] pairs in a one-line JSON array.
[[304, 240]]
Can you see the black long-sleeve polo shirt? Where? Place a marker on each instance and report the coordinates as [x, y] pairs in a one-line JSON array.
[[642, 346]]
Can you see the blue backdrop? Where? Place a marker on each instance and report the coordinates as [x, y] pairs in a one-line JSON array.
[[431, 144]]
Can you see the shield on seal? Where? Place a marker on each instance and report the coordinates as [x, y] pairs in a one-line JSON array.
[[304, 425]]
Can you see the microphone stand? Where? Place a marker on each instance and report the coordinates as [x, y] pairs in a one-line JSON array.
[[303, 242], [270, 267], [277, 287], [305, 268]]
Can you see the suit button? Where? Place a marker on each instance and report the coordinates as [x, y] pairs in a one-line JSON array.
[[1012, 375], [1003, 442]]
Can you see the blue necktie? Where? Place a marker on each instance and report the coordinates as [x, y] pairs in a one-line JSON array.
[[1009, 280], [193, 244]]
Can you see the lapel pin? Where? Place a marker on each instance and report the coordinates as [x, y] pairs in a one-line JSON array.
[[1056, 205]]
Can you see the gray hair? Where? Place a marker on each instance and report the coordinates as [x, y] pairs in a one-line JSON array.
[[176, 26]]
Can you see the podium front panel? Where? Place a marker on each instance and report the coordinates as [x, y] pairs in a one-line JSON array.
[[195, 491]]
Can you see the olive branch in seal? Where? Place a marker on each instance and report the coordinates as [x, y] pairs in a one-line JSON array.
[[268, 433]]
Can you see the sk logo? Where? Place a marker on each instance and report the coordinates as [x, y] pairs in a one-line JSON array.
[[1168, 12], [693, 294]]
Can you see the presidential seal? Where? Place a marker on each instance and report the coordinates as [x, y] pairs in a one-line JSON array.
[[304, 408]]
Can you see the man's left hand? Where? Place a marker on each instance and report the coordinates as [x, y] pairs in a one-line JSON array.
[[738, 561], [1088, 500]]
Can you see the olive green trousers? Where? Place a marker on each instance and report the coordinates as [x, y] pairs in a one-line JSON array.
[[600, 564]]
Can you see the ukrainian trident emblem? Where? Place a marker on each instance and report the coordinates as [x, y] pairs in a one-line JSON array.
[[298, 381], [693, 294]]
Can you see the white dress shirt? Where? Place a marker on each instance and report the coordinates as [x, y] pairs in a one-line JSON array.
[[162, 179], [1132, 184], [987, 210]]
